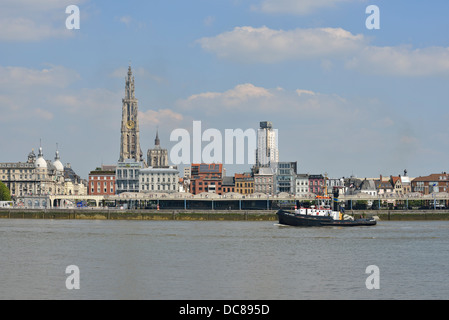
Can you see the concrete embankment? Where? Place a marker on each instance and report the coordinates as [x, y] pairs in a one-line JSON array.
[[87, 214], [404, 215], [237, 215]]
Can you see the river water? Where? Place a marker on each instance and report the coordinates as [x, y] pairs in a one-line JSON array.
[[221, 260]]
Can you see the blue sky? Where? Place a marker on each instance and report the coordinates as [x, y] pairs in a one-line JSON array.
[[346, 100]]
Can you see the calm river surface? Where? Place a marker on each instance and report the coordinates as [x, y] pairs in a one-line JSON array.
[[221, 260]]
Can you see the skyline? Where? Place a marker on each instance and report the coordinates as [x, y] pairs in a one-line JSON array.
[[345, 99]]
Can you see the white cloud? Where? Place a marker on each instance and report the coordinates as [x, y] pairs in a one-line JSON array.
[[47, 94], [43, 114], [126, 20], [241, 98], [31, 21], [86, 101], [21, 77], [327, 124], [233, 97], [34, 6], [162, 116], [25, 92], [249, 99], [24, 29], [302, 91], [401, 61], [248, 44], [299, 7], [265, 45], [131, 22]]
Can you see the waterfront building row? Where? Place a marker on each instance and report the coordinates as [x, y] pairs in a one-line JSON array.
[[38, 176]]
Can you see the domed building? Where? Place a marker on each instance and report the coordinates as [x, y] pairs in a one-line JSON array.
[[38, 177], [58, 164], [50, 176], [40, 162]]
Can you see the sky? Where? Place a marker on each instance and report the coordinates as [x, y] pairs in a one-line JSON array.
[[346, 100]]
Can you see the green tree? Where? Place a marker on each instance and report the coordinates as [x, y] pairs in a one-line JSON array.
[[361, 205], [5, 195]]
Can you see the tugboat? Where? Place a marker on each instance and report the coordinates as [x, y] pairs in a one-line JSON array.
[[320, 216]]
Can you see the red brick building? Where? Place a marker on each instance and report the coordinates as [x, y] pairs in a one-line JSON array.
[[434, 183], [206, 178], [102, 181]]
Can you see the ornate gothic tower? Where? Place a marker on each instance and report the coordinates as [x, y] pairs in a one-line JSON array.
[[130, 140]]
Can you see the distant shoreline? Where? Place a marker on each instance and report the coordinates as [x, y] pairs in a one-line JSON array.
[[205, 215]]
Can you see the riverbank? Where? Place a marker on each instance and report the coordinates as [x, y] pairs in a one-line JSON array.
[[213, 215]]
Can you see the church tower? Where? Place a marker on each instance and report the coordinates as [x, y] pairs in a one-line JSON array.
[[130, 140], [157, 157]]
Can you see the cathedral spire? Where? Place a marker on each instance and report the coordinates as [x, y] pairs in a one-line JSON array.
[[157, 142], [130, 144], [129, 89]]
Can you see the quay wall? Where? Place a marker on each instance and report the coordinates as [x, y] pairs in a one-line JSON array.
[[95, 214], [205, 215]]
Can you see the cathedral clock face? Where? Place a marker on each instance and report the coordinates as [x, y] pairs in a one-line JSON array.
[[130, 124]]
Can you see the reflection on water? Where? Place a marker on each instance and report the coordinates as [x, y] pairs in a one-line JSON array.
[[221, 260]]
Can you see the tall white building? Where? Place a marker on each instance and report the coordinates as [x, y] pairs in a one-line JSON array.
[[267, 152]]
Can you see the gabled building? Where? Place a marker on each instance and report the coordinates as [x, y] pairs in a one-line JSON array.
[[401, 184]]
